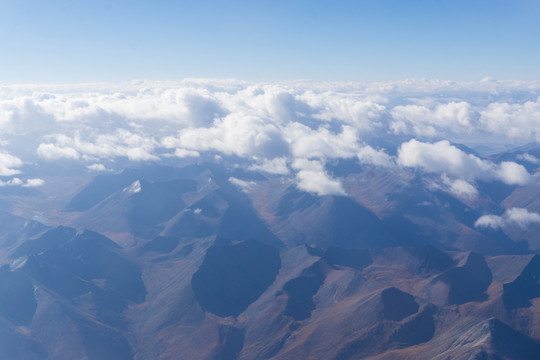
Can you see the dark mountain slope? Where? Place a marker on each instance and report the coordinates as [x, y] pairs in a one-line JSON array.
[[525, 287], [231, 277]]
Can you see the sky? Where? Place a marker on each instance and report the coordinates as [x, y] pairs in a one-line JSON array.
[[72, 41], [286, 88]]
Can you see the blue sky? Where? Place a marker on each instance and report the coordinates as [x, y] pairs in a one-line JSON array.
[[75, 41]]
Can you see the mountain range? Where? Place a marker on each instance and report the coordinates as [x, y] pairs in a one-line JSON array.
[[210, 260]]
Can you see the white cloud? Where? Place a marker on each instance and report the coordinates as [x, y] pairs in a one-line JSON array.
[[512, 173], [187, 105], [312, 177], [444, 158], [424, 121], [96, 167], [49, 151], [274, 125], [29, 183], [104, 146], [368, 155], [460, 188], [490, 221], [11, 182], [183, 153], [513, 120], [362, 113], [463, 189], [529, 158], [321, 143], [36, 182], [9, 164], [514, 216], [242, 185], [277, 166], [236, 134], [139, 154]]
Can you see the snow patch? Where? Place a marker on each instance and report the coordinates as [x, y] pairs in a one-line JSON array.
[[133, 188]]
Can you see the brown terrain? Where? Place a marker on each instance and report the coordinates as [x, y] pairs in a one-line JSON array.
[[178, 263]]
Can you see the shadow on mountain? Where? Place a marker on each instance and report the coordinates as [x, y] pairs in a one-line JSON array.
[[495, 242], [14, 228], [353, 258], [220, 214], [380, 324], [201, 219], [442, 210], [14, 345], [518, 293], [335, 256], [324, 221], [301, 291], [511, 344], [161, 245], [468, 282], [495, 190], [430, 260], [294, 200], [231, 341], [103, 343], [407, 232], [493, 340], [397, 304], [17, 301], [232, 277], [90, 262], [241, 222], [155, 203], [49, 240], [102, 186], [419, 329]]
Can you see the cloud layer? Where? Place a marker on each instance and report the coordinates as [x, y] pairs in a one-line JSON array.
[[289, 129]]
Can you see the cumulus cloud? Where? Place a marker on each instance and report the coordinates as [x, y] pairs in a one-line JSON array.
[[512, 173], [236, 134], [490, 221], [28, 183], [11, 182], [104, 146], [514, 216], [183, 153], [460, 188], [529, 158], [96, 167], [36, 182], [368, 155], [187, 105], [442, 157], [463, 189], [48, 151], [321, 143], [9, 164], [311, 177], [363, 113], [273, 126], [514, 120], [424, 121], [277, 166], [242, 185]]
